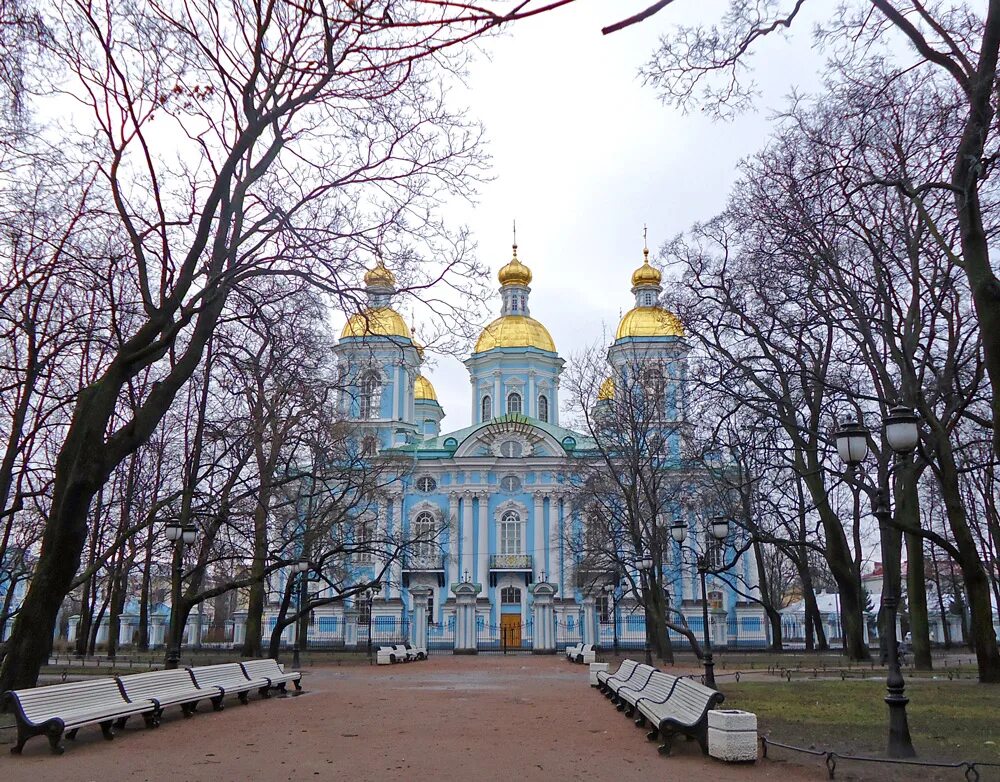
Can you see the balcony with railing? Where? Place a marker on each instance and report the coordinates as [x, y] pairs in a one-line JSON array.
[[516, 562]]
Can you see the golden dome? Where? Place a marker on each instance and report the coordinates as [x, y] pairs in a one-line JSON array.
[[649, 322], [422, 389], [380, 276], [646, 274], [515, 272], [515, 331], [376, 322], [607, 390]]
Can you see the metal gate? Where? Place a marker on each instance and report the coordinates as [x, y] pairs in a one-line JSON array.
[[504, 639]]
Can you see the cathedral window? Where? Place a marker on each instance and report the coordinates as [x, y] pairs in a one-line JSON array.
[[423, 535], [715, 554], [369, 445], [510, 533], [510, 483], [604, 608], [510, 596], [426, 484], [656, 389], [362, 540], [487, 408], [543, 408], [513, 403], [369, 385], [430, 609], [647, 299], [511, 449]]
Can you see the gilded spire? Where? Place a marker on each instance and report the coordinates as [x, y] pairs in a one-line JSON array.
[[515, 272]]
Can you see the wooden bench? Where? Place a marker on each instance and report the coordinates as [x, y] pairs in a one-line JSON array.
[[685, 711], [65, 708], [418, 652], [230, 679], [608, 683], [401, 654], [573, 651], [269, 669], [626, 695], [657, 690], [385, 655], [166, 688]]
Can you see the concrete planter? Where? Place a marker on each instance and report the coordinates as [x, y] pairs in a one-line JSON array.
[[596, 668], [732, 735]]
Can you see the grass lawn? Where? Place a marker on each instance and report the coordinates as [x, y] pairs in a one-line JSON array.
[[949, 721]]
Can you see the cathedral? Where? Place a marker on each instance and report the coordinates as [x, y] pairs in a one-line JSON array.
[[493, 500]]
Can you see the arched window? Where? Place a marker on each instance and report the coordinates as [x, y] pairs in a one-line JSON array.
[[510, 533], [543, 408], [369, 386], [648, 299], [656, 388], [513, 403], [510, 595], [423, 535], [487, 408]]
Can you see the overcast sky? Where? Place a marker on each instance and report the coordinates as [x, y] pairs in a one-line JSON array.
[[584, 154]]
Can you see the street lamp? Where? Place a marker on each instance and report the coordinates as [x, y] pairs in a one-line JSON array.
[[645, 565], [370, 593], [181, 536], [610, 590], [719, 527], [902, 432], [852, 441], [301, 567]]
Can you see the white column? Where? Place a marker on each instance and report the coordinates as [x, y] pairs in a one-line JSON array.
[[555, 544], [467, 542], [531, 404], [397, 566], [538, 546], [395, 392], [554, 403], [453, 533], [379, 532], [476, 410], [484, 541]]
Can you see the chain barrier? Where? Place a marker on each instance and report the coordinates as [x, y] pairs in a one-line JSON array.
[[970, 768]]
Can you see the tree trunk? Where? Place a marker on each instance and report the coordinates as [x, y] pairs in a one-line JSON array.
[[908, 517], [144, 595], [977, 584]]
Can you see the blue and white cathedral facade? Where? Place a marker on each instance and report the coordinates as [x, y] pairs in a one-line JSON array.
[[497, 496]]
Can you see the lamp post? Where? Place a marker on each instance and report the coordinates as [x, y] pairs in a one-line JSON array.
[[611, 590], [852, 439], [645, 565], [370, 593], [902, 433], [180, 536], [719, 527], [299, 568]]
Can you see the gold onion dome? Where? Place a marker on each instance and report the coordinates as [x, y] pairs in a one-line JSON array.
[[380, 276], [376, 322], [515, 272], [515, 331], [649, 322], [422, 389], [646, 274], [607, 390]]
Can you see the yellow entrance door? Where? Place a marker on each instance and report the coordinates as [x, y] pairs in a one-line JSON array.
[[510, 629]]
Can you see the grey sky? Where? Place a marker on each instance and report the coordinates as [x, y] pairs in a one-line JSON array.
[[584, 154]]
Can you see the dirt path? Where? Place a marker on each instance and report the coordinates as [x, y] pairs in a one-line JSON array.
[[515, 718]]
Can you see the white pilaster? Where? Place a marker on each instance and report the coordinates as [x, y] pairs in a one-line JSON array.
[[453, 535], [555, 544], [538, 546], [484, 542], [396, 575], [531, 403], [468, 563], [499, 404]]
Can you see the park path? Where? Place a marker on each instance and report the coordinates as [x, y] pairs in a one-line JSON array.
[[515, 719]]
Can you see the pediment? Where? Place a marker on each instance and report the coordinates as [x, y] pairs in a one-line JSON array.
[[526, 439]]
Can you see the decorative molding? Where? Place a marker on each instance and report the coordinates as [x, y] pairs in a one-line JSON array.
[[511, 504]]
